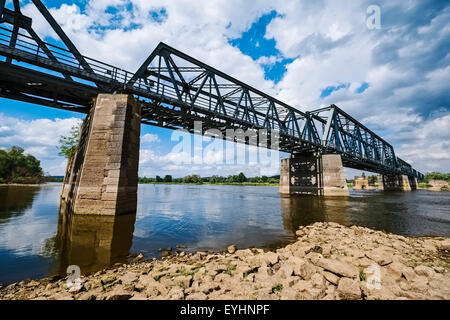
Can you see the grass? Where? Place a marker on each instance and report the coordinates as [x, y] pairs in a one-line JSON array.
[[278, 287], [362, 276], [229, 269]]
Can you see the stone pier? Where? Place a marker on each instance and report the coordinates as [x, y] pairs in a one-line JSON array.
[[413, 183], [394, 182], [102, 177], [312, 174]]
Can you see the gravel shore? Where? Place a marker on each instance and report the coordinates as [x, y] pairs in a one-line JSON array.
[[328, 261]]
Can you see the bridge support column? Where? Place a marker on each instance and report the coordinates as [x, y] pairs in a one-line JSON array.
[[102, 177], [413, 183], [394, 182], [312, 174], [405, 183]]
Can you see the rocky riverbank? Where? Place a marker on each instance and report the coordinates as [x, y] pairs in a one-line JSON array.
[[328, 261]]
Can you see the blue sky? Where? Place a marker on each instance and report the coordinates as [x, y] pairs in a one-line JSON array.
[[394, 79]]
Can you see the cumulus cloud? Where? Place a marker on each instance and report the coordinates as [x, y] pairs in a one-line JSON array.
[[37, 137], [149, 138]]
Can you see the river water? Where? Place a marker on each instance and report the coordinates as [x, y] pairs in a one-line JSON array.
[[35, 243]]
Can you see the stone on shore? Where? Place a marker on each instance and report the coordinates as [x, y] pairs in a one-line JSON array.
[[328, 261]]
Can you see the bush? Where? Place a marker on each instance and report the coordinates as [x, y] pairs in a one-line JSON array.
[[17, 167]]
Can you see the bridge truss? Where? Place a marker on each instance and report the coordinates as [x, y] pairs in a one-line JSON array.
[[175, 91]]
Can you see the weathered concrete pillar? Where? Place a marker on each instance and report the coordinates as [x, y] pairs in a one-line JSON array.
[[413, 183], [94, 242], [394, 182], [310, 174], [380, 182], [102, 178], [334, 183], [405, 183]]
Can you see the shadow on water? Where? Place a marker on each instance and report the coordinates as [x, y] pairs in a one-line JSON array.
[[93, 242], [15, 200], [417, 213]]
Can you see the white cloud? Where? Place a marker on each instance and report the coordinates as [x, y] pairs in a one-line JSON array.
[[150, 138], [38, 137]]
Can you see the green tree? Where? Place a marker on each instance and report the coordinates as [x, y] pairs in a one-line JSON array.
[[17, 167], [437, 176], [168, 178], [68, 144], [241, 178], [192, 179], [372, 179], [159, 179]]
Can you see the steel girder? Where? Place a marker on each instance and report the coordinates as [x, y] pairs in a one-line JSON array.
[[176, 90]]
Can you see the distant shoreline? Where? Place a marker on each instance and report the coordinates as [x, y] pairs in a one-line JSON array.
[[167, 183], [217, 184], [30, 184]]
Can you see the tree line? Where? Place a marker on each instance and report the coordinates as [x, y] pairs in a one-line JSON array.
[[196, 179], [17, 167], [436, 176]]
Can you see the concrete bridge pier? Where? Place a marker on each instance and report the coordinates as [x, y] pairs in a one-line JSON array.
[[413, 183], [313, 174], [102, 177], [394, 182]]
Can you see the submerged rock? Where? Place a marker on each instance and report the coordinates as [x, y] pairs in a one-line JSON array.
[[231, 249]]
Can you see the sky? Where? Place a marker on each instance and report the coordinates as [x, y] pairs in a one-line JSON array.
[[394, 79]]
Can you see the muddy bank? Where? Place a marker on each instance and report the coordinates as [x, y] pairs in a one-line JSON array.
[[328, 261]]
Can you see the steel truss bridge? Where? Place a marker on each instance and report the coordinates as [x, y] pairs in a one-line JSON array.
[[175, 91]]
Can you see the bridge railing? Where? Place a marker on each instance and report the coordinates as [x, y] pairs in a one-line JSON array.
[[26, 43]]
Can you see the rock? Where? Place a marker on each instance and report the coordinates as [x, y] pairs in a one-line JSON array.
[[169, 249], [128, 277], [181, 246], [184, 281], [380, 256], [302, 268], [424, 271], [119, 294], [338, 267], [165, 254], [75, 289], [348, 289], [139, 257], [438, 185], [197, 296], [331, 277], [32, 284], [271, 258], [231, 249], [139, 296], [408, 273], [318, 280], [444, 245], [176, 294], [420, 284]]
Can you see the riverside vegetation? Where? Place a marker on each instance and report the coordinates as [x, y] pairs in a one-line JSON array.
[[18, 167], [328, 261]]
